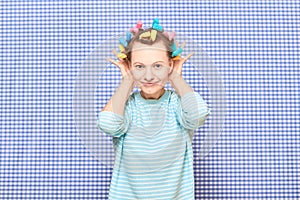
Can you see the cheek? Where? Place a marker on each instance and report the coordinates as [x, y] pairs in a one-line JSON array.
[[163, 74], [137, 75]]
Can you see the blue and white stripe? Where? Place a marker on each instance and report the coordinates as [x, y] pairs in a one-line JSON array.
[[153, 144]]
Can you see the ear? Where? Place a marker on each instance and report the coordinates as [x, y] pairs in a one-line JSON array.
[[171, 64]]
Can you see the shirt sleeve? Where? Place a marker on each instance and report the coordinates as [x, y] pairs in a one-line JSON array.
[[114, 124], [192, 110]]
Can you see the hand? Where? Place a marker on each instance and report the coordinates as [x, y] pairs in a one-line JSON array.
[[123, 65], [177, 67]]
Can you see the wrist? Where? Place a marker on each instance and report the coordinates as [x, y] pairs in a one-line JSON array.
[[128, 83], [127, 80], [174, 78]]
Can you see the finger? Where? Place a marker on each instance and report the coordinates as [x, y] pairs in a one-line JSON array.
[[117, 55], [118, 64], [188, 56], [120, 59], [112, 61]]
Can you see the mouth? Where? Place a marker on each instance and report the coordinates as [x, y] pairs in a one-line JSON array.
[[149, 84]]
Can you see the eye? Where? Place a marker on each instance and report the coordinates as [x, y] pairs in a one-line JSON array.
[[157, 66], [139, 66]]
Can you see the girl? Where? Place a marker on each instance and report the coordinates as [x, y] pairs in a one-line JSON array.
[[152, 129]]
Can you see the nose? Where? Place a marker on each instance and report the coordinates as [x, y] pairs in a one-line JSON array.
[[148, 74]]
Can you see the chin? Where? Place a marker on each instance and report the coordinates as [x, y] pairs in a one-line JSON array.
[[150, 90]]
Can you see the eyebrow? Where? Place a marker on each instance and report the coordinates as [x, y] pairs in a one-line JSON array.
[[152, 63]]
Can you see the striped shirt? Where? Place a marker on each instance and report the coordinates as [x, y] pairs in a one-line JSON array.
[[153, 146]]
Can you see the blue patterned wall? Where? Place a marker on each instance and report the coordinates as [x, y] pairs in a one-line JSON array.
[[254, 44]]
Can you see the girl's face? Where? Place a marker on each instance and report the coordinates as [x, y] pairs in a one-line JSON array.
[[150, 67]]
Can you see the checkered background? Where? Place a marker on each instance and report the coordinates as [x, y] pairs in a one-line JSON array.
[[254, 45]]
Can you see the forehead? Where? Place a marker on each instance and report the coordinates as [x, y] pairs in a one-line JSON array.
[[148, 53]]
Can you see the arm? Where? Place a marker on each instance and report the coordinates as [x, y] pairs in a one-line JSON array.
[[180, 85], [114, 118], [117, 102], [192, 109], [175, 77]]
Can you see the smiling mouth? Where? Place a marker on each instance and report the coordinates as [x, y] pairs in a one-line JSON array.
[[149, 84]]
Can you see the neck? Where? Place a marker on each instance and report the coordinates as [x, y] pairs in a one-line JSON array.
[[154, 96]]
